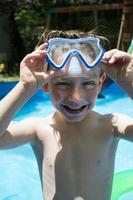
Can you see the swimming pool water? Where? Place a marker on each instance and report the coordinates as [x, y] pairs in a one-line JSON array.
[[19, 178]]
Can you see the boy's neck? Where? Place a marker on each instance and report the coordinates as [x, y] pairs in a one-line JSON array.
[[62, 120]]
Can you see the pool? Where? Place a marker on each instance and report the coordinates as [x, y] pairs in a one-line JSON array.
[[19, 177]]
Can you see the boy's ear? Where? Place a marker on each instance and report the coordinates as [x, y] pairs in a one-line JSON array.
[[45, 88], [102, 77]]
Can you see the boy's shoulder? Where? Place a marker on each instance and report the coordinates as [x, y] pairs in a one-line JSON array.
[[103, 118], [121, 120], [42, 125], [38, 121], [115, 118], [119, 123], [34, 123]]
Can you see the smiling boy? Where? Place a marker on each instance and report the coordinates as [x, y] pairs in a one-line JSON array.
[[75, 147]]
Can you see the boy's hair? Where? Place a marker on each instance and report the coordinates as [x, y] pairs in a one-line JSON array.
[[73, 34]]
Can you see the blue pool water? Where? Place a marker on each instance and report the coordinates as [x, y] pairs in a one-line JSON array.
[[19, 178]]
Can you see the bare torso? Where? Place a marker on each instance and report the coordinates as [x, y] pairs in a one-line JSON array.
[[77, 161]]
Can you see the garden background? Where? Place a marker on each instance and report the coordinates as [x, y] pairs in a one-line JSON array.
[[23, 21]]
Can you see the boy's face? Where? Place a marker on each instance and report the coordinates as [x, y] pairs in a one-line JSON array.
[[74, 89]]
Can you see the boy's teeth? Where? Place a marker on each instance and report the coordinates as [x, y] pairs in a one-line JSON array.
[[73, 110]]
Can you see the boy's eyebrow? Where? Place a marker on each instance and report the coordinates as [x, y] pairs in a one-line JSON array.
[[70, 78], [59, 79]]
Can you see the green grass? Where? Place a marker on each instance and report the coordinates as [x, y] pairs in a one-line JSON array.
[[8, 78]]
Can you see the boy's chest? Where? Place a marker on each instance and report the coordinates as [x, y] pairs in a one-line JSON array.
[[76, 162], [79, 154], [76, 147]]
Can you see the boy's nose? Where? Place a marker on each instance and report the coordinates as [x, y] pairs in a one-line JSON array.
[[76, 95]]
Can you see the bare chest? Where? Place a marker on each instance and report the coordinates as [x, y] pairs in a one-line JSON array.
[[70, 166]]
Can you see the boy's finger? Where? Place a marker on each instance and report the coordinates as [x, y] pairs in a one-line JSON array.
[[41, 52], [31, 56], [42, 46], [30, 59], [112, 60], [107, 55], [119, 56]]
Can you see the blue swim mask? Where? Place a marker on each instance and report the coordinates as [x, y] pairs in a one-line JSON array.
[[88, 49]]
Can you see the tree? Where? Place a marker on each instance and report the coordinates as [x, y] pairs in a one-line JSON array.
[[26, 22]]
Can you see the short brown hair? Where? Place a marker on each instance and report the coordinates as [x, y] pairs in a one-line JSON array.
[[72, 34]]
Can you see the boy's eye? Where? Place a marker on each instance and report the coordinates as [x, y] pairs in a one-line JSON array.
[[89, 84], [62, 84]]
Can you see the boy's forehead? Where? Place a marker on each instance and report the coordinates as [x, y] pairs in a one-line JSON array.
[[63, 75]]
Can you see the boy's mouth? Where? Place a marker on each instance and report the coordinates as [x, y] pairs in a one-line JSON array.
[[75, 110]]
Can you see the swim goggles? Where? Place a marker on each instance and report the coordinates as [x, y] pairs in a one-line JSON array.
[[88, 49]]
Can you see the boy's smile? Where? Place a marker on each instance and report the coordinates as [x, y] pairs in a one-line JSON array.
[[73, 110]]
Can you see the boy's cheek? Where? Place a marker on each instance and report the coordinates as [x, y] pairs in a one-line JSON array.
[[56, 94], [56, 100], [95, 93]]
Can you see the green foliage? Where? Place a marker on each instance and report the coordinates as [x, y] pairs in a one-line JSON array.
[[30, 23]]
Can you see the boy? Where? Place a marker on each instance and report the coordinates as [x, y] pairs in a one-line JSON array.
[[75, 147]]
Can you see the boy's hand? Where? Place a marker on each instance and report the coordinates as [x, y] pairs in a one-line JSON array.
[[32, 74], [120, 65]]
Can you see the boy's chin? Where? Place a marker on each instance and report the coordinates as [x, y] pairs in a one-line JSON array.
[[75, 119]]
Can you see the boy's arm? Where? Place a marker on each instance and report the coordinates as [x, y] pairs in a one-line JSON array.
[[122, 126], [120, 69], [12, 103], [32, 77], [19, 133]]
